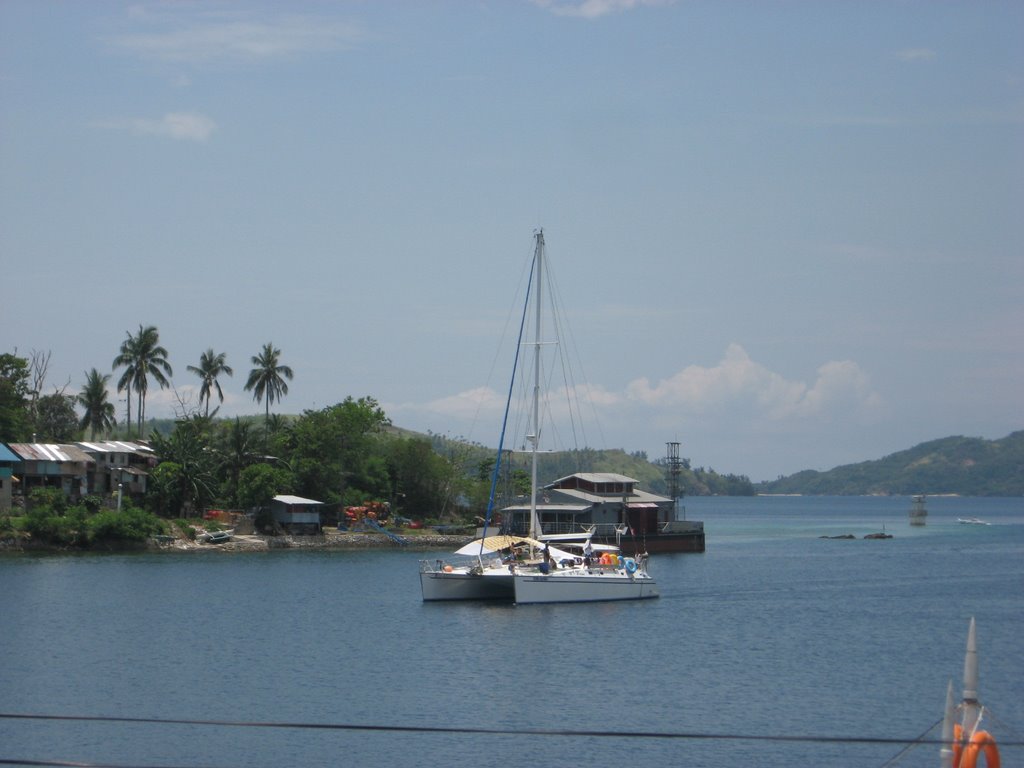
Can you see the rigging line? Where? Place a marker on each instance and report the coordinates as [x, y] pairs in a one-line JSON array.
[[1003, 725], [566, 345], [915, 743], [501, 343], [574, 360], [481, 730], [504, 420]]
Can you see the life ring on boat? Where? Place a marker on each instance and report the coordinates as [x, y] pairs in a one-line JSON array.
[[981, 743], [448, 569], [630, 565]]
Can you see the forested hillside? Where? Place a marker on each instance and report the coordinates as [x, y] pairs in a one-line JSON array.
[[652, 475], [968, 466]]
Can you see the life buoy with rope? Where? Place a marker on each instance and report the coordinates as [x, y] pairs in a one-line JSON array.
[[981, 743], [630, 565]]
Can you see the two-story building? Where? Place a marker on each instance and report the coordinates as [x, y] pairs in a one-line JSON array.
[[52, 465], [119, 464], [613, 508]]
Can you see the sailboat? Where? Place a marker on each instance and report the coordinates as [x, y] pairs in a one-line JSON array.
[[535, 568]]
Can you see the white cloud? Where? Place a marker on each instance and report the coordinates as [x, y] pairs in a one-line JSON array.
[[463, 405], [592, 9], [738, 381], [216, 36], [181, 126], [738, 394]]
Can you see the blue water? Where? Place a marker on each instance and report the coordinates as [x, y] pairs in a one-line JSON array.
[[773, 631]]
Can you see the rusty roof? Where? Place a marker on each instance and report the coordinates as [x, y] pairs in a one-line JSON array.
[[50, 452], [115, 446]]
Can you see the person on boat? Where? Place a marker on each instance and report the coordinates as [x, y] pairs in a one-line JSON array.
[[549, 558]]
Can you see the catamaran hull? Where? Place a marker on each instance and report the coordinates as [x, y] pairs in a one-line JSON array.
[[438, 585], [581, 589]]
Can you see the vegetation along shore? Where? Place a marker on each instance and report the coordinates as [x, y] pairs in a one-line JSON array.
[[341, 456]]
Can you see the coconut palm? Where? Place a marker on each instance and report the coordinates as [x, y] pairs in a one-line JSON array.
[[238, 450], [142, 357], [267, 379], [126, 359], [210, 367], [99, 414]]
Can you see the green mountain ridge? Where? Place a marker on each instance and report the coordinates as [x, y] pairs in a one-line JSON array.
[[965, 466]]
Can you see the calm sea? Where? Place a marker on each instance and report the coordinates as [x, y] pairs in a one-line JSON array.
[[773, 632]]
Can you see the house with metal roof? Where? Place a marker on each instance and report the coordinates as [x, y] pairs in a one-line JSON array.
[[7, 477], [49, 465], [604, 500], [296, 514], [119, 463]]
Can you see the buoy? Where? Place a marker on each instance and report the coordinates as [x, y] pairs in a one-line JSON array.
[[981, 743]]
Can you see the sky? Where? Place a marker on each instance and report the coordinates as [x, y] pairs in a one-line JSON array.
[[787, 235]]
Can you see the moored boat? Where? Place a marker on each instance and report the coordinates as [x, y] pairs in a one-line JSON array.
[[544, 573]]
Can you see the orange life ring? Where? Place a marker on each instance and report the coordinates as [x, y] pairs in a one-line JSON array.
[[981, 742]]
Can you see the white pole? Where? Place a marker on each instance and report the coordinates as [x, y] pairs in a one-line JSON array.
[[946, 752], [535, 529], [972, 711]]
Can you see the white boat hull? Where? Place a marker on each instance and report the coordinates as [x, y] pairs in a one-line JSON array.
[[582, 587], [462, 585]]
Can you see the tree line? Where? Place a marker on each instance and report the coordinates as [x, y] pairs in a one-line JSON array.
[[344, 454], [25, 410]]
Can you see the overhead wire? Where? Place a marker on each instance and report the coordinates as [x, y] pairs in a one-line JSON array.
[[484, 730]]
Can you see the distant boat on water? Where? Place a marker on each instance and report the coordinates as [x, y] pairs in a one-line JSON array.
[[918, 513], [971, 521]]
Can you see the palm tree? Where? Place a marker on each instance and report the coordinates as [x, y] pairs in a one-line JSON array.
[[267, 379], [142, 357], [126, 359], [238, 451], [210, 367], [99, 414]]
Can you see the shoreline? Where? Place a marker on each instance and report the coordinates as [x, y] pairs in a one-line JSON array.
[[328, 540]]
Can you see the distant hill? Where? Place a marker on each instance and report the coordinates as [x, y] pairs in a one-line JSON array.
[[968, 466]]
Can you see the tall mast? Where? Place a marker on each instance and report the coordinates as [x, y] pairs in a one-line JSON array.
[[534, 437]]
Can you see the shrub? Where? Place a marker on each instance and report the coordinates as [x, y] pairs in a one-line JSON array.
[[54, 529], [131, 524], [49, 500], [92, 504]]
